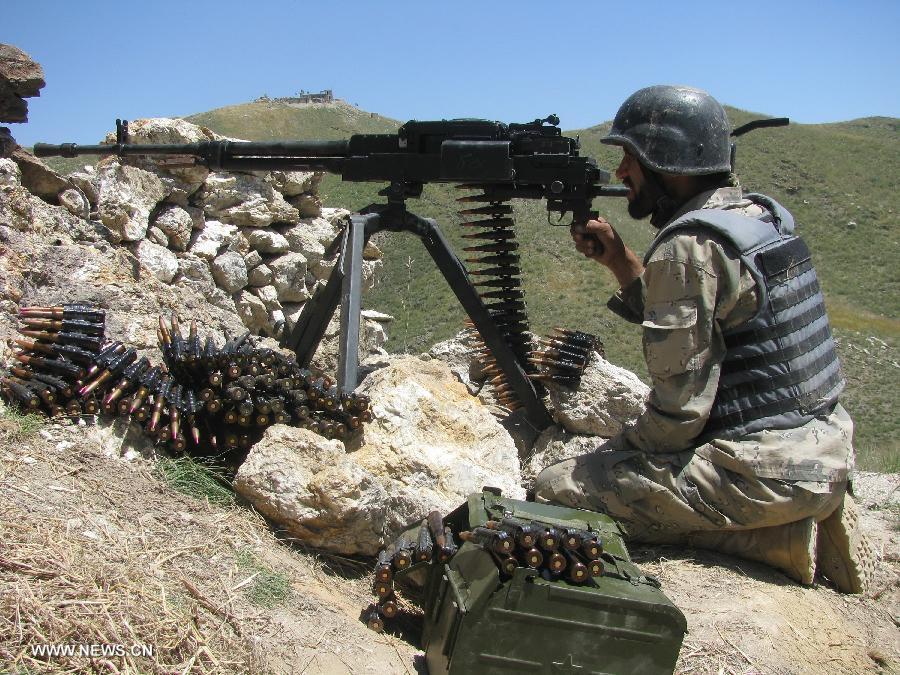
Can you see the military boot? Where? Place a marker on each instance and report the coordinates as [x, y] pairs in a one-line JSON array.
[[845, 556], [790, 548]]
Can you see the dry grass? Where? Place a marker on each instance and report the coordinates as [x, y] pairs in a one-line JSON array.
[[62, 588]]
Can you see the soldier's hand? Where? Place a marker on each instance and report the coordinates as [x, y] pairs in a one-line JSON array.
[[596, 239]]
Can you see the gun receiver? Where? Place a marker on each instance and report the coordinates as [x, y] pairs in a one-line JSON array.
[[527, 161]]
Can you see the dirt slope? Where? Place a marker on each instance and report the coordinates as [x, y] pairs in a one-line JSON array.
[[97, 549]]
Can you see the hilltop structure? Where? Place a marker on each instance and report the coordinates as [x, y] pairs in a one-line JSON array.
[[304, 97]]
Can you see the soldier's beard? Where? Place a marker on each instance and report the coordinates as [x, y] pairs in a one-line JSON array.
[[652, 200], [642, 205]]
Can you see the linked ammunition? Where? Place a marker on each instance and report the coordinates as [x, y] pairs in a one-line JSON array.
[[496, 541], [383, 589], [424, 543], [66, 325], [79, 312], [487, 210], [55, 366], [89, 342], [403, 556], [373, 619], [577, 571], [22, 394], [388, 608]]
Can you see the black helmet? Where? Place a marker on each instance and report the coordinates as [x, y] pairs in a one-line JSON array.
[[675, 130]]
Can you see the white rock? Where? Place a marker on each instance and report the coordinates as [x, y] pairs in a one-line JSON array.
[[244, 200], [607, 398], [178, 225], [459, 354], [429, 447], [207, 241], [266, 241], [127, 196], [309, 205], [229, 271], [87, 182], [171, 131], [269, 297], [335, 216], [161, 262], [157, 236], [554, 445], [310, 237], [289, 277], [75, 202], [260, 276], [194, 271], [10, 173], [252, 311], [294, 183], [253, 259]]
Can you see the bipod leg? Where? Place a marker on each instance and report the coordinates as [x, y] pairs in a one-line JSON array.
[[351, 300], [458, 279], [318, 310]]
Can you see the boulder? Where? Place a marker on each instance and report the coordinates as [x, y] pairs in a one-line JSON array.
[[430, 445], [309, 205], [289, 277], [213, 236], [39, 178], [75, 202], [458, 353], [269, 297], [607, 398], [193, 271], [295, 183], [170, 131], [157, 236], [311, 237], [177, 223], [260, 276], [229, 271], [10, 173], [252, 312], [266, 241], [87, 181], [161, 262], [555, 444], [20, 78], [245, 200], [128, 195]]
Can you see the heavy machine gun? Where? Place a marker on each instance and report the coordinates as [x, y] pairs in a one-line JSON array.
[[499, 161]]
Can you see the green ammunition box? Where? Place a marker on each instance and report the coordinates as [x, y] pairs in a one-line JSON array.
[[478, 622]]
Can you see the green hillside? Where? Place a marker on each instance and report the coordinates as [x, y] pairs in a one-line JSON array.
[[837, 180]]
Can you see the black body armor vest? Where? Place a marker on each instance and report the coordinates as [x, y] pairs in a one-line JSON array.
[[780, 368]]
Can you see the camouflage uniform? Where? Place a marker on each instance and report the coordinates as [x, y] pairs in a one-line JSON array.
[[653, 477]]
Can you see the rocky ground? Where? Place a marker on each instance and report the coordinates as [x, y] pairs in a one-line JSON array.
[[98, 548]]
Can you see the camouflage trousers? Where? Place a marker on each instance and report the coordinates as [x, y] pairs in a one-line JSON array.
[[661, 498]]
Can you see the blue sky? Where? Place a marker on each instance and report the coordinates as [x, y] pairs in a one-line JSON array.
[[814, 61]]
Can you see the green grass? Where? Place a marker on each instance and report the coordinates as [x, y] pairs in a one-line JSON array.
[[267, 588], [202, 481], [17, 426]]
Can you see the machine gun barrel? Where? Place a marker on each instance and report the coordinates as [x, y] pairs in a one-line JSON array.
[[242, 155]]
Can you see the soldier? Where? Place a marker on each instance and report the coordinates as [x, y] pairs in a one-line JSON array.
[[743, 446]]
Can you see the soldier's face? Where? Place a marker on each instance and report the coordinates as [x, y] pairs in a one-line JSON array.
[[630, 172]]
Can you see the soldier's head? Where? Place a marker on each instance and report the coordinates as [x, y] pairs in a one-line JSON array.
[[676, 144]]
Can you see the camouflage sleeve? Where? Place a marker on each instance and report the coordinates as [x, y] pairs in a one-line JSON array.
[[688, 284], [628, 302]]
